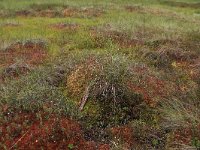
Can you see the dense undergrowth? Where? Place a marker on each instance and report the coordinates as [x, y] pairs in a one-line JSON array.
[[99, 75]]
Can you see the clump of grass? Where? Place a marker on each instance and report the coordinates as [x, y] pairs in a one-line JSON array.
[[111, 83], [182, 118], [182, 112]]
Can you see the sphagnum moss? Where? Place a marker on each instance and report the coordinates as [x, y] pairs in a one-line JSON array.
[[128, 66]]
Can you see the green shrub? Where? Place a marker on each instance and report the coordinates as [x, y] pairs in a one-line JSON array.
[[33, 93]]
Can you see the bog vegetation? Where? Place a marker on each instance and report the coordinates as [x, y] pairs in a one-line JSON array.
[[99, 74]]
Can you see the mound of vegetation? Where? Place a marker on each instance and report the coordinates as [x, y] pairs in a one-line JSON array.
[[103, 75]]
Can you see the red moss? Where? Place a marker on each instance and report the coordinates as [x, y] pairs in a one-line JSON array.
[[104, 147], [47, 13], [31, 53], [125, 134], [150, 86], [186, 135], [47, 133]]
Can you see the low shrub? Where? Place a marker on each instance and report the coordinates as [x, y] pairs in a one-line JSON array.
[[33, 93]]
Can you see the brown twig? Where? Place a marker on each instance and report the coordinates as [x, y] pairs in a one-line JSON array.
[[85, 98], [18, 140]]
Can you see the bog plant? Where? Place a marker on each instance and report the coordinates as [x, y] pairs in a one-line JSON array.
[[33, 93], [104, 64]]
